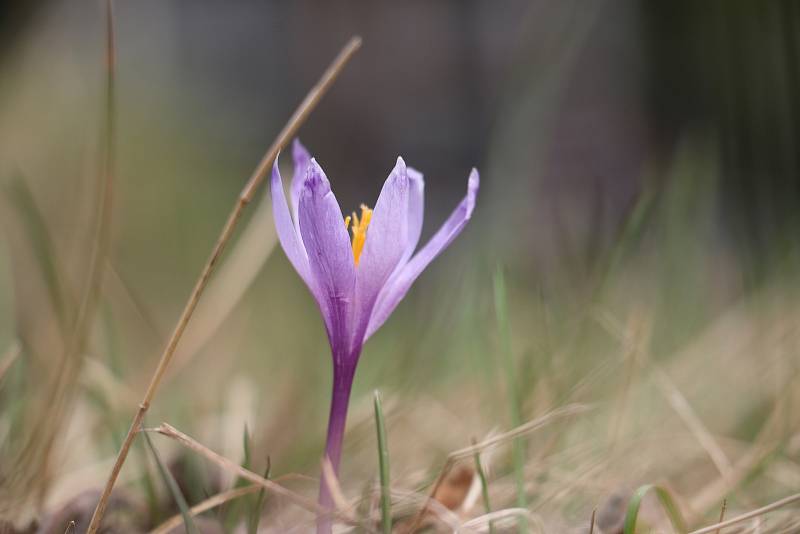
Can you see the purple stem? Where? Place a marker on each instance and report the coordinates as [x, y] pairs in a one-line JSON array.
[[342, 384]]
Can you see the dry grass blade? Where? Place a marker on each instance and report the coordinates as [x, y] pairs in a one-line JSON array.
[[296, 120], [102, 227], [242, 264], [208, 504], [765, 443], [410, 501], [229, 465], [485, 521], [531, 426], [749, 515], [117, 287], [696, 426], [722, 513], [330, 478], [54, 330], [504, 332]]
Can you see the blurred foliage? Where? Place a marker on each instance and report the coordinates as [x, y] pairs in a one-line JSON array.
[[639, 187]]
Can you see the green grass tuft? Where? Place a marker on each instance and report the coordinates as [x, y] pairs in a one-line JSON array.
[[664, 497], [504, 330], [172, 485]]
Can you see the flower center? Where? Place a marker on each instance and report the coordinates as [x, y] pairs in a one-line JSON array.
[[359, 230]]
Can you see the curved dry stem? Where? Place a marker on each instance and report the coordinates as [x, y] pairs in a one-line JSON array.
[[271, 486], [466, 452], [208, 504], [749, 515], [296, 120], [484, 522]]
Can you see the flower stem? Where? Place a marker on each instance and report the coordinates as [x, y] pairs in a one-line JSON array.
[[342, 384]]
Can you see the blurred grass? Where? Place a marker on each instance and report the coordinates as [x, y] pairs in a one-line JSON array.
[[664, 498], [666, 293], [383, 465], [510, 367], [174, 489]]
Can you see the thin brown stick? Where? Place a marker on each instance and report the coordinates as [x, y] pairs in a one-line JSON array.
[[570, 409], [448, 465], [591, 521], [80, 328], [749, 515], [530, 426], [690, 418], [722, 513], [229, 465], [102, 224], [499, 515], [300, 115], [208, 504], [41, 441]]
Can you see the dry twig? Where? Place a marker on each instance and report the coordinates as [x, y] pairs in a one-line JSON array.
[[749, 515], [296, 120], [229, 465], [208, 504], [565, 411]]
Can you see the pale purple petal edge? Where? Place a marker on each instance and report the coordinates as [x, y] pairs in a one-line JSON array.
[[399, 284], [386, 243], [416, 211], [301, 158], [284, 226]]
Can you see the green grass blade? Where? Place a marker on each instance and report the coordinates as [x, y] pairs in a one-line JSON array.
[[484, 486], [248, 455], [383, 463], [232, 512], [172, 484], [504, 331], [255, 511], [24, 214], [664, 497], [149, 487]]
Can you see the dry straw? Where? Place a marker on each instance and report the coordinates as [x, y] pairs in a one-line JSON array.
[[292, 126]]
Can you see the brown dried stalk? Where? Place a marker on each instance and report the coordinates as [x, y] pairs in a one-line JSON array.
[[208, 504], [229, 465], [300, 115], [749, 515], [453, 457]]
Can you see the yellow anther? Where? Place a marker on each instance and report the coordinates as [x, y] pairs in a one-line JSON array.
[[359, 230]]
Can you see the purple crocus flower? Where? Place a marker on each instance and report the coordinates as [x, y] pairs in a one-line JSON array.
[[356, 282]]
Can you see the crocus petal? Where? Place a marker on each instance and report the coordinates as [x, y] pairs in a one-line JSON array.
[[285, 228], [387, 235], [401, 281], [416, 210], [301, 159], [330, 257]]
